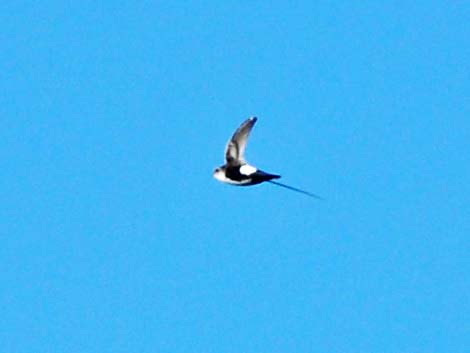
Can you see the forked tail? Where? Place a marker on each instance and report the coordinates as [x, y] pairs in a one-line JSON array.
[[295, 189]]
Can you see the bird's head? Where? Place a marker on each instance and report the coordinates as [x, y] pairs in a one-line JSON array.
[[219, 173]]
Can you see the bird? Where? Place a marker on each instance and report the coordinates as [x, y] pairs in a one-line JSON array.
[[237, 171]]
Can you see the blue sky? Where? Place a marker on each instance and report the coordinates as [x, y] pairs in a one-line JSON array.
[[116, 238]]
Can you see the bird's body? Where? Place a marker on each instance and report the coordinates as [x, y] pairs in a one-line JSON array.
[[243, 175], [237, 171]]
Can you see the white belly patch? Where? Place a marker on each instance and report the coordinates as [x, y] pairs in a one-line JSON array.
[[247, 169]]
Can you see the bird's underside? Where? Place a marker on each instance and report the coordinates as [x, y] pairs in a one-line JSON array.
[[235, 173]]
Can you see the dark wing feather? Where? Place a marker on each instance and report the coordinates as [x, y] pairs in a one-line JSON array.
[[235, 151]]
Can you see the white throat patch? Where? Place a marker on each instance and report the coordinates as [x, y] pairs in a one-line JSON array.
[[220, 175]]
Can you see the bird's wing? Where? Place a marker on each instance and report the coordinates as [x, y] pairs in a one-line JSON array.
[[235, 151]]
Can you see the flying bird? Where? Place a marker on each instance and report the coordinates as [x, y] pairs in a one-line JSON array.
[[237, 171]]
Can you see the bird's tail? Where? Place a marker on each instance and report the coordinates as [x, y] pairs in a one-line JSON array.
[[294, 189], [263, 176], [272, 176]]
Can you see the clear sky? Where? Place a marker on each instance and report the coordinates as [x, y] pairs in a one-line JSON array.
[[115, 237]]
